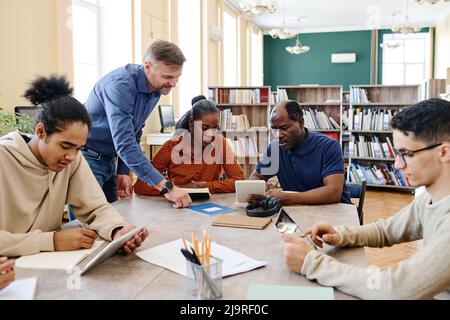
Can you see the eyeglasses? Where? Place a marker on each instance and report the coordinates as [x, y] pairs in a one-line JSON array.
[[410, 153]]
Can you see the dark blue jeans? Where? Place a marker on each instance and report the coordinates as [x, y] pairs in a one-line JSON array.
[[105, 171]]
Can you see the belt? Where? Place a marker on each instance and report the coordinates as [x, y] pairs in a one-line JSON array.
[[96, 154]]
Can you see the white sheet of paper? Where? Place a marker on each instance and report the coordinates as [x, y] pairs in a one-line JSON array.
[[169, 256], [213, 209], [58, 260], [22, 289]]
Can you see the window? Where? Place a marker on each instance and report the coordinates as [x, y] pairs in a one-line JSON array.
[[256, 58], [189, 34], [86, 47], [102, 40], [230, 48], [406, 64]]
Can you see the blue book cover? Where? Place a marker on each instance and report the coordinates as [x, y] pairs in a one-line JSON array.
[[209, 209]]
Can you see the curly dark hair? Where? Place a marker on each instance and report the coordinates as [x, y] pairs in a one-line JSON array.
[[200, 106], [428, 120], [57, 109]]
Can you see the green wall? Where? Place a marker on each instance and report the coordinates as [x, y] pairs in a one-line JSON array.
[[315, 67]]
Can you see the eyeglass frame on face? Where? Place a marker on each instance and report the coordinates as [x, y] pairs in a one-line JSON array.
[[410, 153]]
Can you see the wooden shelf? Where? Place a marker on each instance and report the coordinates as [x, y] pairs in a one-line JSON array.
[[370, 131], [242, 105], [392, 98], [310, 87], [382, 104], [237, 87], [246, 130], [389, 186], [325, 130], [372, 159], [337, 104]]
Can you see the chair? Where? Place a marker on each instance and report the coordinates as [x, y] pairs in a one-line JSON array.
[[31, 112], [358, 191]]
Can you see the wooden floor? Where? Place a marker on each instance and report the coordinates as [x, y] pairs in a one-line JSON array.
[[382, 205]]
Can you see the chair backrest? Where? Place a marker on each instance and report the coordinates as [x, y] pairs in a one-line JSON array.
[[31, 112], [359, 191]]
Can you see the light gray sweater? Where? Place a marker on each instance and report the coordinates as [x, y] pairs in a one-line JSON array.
[[423, 276]]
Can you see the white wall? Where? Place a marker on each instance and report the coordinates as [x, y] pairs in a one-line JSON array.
[[29, 42], [442, 49]]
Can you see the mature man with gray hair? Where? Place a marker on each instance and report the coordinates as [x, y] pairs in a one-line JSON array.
[[119, 105]]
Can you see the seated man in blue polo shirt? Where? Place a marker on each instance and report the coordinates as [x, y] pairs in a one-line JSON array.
[[308, 165]]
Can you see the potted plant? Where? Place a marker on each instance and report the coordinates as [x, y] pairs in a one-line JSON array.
[[10, 122]]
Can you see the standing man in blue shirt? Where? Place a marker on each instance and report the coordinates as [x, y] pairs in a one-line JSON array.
[[119, 105], [309, 165]]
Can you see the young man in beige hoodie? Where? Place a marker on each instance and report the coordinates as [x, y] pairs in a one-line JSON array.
[[40, 174], [422, 140]]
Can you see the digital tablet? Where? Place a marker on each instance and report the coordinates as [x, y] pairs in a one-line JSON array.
[[244, 188], [107, 250]]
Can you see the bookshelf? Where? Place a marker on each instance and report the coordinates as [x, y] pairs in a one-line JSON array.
[[244, 120], [321, 105], [369, 147]]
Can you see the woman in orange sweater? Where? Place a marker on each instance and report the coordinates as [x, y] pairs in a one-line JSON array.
[[197, 155]]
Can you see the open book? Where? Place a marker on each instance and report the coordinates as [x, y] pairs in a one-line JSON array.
[[198, 193]]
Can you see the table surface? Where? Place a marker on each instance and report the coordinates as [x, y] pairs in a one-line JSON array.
[[128, 277]]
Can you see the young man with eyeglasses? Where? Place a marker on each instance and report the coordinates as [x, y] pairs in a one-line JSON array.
[[422, 140]]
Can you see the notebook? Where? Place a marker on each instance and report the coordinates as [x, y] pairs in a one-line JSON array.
[[209, 209], [198, 193], [277, 292], [239, 221], [22, 289]]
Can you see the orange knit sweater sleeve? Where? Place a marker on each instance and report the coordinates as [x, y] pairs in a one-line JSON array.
[[161, 162]]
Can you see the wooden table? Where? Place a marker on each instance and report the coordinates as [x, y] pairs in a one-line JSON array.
[[128, 277]]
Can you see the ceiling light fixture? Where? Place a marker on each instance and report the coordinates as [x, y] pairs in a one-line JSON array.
[[406, 27], [258, 7], [298, 48], [429, 1]]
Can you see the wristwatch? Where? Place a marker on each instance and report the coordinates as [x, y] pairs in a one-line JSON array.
[[168, 186]]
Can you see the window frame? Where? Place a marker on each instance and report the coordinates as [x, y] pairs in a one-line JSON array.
[[402, 39]]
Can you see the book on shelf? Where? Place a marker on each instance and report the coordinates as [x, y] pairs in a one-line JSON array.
[[319, 120], [332, 135], [370, 147], [359, 95], [282, 95], [378, 174], [264, 95], [211, 94], [371, 119], [244, 147], [345, 119], [229, 121], [242, 96]]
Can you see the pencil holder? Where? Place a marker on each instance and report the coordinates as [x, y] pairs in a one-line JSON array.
[[205, 282]]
